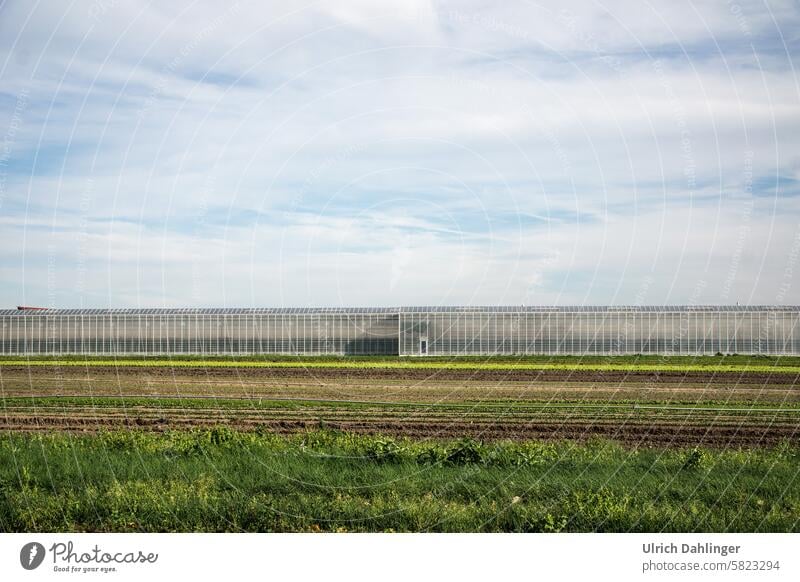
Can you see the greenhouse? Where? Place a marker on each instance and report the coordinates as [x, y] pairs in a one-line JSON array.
[[405, 331]]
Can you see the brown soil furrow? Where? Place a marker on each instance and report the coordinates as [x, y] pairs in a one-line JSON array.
[[227, 417], [320, 374], [744, 382], [789, 418], [668, 435]]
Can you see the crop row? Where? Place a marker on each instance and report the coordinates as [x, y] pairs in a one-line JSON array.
[[417, 364], [550, 407]]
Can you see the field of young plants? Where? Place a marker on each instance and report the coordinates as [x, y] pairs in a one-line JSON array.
[[718, 402], [374, 444], [743, 364]]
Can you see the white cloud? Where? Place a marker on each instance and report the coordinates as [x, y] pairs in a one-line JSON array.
[[397, 152]]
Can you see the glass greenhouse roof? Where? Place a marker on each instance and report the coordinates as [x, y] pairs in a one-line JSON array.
[[396, 310]]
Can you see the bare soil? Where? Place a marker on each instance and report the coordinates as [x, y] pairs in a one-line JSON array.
[[637, 434]]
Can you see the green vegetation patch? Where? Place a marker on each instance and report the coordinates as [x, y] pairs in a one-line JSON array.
[[696, 360], [577, 364], [266, 402], [223, 480]]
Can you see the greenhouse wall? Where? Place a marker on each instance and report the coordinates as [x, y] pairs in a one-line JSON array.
[[608, 331], [200, 333], [409, 331]]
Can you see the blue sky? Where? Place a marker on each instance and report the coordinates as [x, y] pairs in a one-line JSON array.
[[398, 153]]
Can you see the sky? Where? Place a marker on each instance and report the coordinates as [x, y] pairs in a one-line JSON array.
[[403, 152]]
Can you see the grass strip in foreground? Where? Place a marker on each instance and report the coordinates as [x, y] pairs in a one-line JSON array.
[[222, 480]]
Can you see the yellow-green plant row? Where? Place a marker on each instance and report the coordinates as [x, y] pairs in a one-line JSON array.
[[433, 365]]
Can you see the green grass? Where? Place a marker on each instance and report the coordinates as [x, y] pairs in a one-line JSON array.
[[751, 364], [732, 359], [219, 480]]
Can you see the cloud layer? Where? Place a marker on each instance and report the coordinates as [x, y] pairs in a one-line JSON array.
[[363, 153]]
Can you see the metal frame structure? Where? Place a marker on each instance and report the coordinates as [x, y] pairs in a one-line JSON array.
[[405, 331]]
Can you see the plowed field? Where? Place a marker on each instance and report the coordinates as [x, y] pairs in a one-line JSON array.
[[672, 408]]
